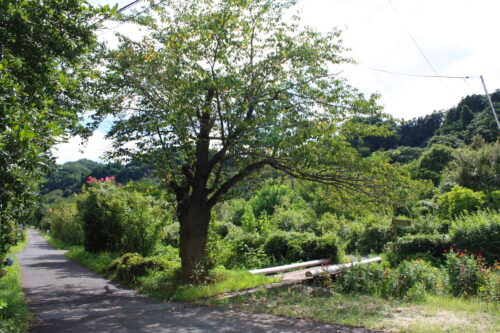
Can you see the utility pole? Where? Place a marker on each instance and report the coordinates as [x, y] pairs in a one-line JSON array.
[[491, 103]]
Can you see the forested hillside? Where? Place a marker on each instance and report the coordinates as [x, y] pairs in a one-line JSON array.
[[409, 142], [68, 178]]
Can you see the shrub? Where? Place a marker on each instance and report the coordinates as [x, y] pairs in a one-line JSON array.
[[269, 197], [429, 224], [466, 273], [490, 290], [477, 167], [371, 279], [459, 200], [118, 220], [281, 247], [410, 280], [245, 218], [171, 234], [478, 233], [65, 224], [415, 246], [324, 247], [374, 238], [130, 266], [247, 252], [302, 220], [494, 199], [291, 247]]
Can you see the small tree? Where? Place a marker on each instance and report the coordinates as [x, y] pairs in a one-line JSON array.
[[476, 167], [460, 200], [43, 45], [219, 90]]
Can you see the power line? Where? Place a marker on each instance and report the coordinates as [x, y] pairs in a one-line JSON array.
[[422, 75], [420, 50], [465, 78], [133, 3]]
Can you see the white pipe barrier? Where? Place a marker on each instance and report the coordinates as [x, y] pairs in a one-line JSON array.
[[337, 268], [283, 268]]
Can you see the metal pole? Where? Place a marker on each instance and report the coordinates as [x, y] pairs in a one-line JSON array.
[[289, 267], [337, 268], [491, 103]]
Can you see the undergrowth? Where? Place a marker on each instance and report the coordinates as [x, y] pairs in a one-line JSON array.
[[14, 312]]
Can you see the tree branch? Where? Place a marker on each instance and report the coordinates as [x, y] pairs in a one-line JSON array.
[[224, 188]]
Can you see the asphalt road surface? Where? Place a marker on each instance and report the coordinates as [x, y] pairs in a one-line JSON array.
[[65, 297]]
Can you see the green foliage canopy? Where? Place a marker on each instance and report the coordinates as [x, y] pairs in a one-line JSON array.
[[219, 90], [460, 200], [476, 167], [42, 48]]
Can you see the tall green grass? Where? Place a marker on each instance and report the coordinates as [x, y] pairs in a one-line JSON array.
[[227, 281], [14, 312]]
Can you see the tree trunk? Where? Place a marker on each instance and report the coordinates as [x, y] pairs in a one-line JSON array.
[[194, 220]]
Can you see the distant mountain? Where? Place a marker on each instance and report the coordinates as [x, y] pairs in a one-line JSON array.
[[70, 176]]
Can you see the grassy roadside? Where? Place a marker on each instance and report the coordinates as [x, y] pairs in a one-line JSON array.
[[432, 314], [162, 285], [14, 313]]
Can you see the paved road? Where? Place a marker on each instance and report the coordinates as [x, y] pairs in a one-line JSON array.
[[66, 297]]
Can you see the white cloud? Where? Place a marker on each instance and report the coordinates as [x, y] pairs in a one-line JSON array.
[[457, 36], [73, 150]]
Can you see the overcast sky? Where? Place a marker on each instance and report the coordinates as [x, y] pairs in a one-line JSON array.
[[458, 38]]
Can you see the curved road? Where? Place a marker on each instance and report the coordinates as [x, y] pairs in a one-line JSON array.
[[66, 297]]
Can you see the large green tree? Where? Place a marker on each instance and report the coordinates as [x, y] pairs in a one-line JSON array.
[[42, 44], [218, 90]]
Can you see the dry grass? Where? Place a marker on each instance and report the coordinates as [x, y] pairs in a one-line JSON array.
[[433, 314]]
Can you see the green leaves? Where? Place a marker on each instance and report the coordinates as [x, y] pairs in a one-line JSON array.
[[44, 44]]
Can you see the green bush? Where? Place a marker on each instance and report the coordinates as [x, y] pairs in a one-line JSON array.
[[171, 234], [490, 290], [130, 266], [64, 223], [466, 273], [250, 240], [116, 219], [292, 247], [418, 246], [269, 197], [479, 233], [374, 238], [494, 199], [244, 217], [460, 200], [281, 247], [246, 251], [410, 280], [302, 220], [429, 224], [371, 279], [323, 247]]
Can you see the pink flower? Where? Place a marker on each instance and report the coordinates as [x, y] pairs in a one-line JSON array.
[[91, 180]]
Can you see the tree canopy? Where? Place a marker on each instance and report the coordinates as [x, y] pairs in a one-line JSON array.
[[218, 90], [42, 44]]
